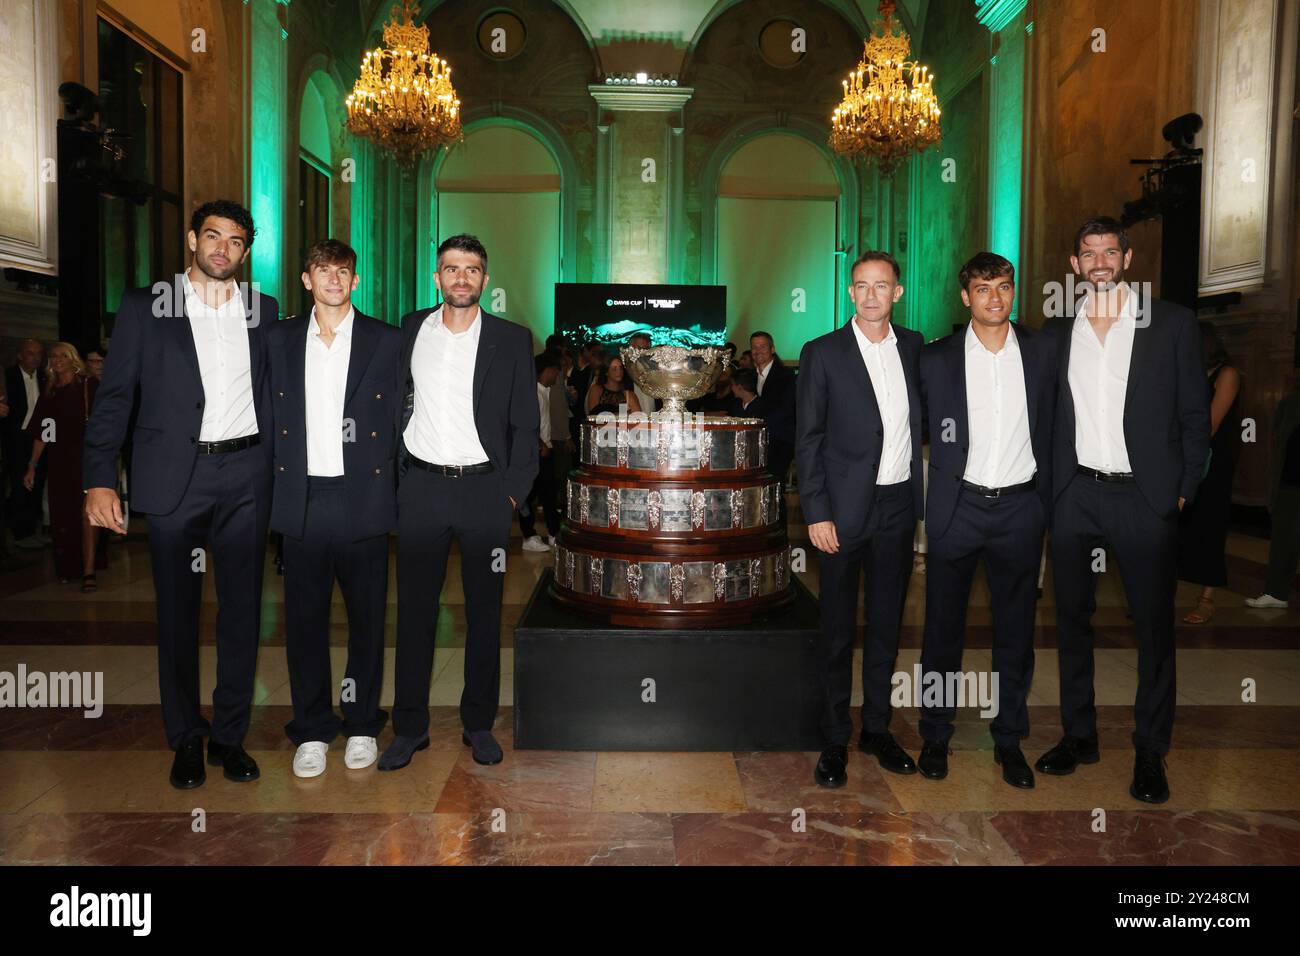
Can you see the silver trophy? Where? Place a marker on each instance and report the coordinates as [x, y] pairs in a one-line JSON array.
[[673, 374]]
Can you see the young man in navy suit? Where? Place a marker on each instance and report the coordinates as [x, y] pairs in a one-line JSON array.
[[989, 392], [1131, 441], [859, 457], [195, 349], [469, 443], [336, 402]]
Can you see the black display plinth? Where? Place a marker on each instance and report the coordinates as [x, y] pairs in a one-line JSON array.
[[581, 685]]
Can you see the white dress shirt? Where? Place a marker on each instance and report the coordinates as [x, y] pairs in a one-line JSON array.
[[1098, 377], [544, 409], [33, 390], [442, 429], [1001, 452], [325, 385], [885, 366], [762, 375], [221, 341]]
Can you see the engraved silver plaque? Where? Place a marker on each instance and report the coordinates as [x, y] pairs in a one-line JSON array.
[[632, 509], [768, 582], [681, 453], [719, 580], [643, 450], [584, 500], [611, 498], [737, 580], [634, 581], [581, 573], [722, 451], [697, 509], [699, 582], [717, 510], [597, 509], [755, 575], [762, 447], [752, 447], [737, 507], [568, 569], [654, 582], [677, 580], [597, 573], [742, 449], [614, 582], [705, 441], [765, 504], [752, 507], [676, 514], [654, 509]]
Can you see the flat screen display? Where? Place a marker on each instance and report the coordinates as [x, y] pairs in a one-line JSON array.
[[689, 315]]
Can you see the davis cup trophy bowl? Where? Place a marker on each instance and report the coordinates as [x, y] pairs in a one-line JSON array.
[[673, 519]]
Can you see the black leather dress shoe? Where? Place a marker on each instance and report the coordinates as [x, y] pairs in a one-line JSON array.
[[187, 767], [933, 762], [832, 767], [1066, 756], [886, 750], [1149, 783], [1015, 768], [234, 761]]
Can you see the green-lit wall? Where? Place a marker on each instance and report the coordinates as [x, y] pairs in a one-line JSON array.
[[777, 259], [266, 113], [521, 232]]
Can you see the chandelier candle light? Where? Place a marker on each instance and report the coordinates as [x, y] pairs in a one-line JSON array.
[[403, 101], [889, 110]]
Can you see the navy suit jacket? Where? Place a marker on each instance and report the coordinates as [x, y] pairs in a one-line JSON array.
[[371, 402], [153, 348], [943, 392], [1166, 407], [840, 432], [506, 413]]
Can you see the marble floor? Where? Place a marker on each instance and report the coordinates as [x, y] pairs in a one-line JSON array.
[[94, 790]]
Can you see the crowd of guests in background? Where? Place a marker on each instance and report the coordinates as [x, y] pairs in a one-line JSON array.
[[43, 413]]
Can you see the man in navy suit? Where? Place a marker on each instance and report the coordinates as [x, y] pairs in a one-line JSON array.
[[336, 402], [1131, 441], [201, 470], [989, 392], [469, 444], [859, 459]]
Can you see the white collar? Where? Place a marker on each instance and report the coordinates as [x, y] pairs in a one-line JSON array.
[[973, 342], [474, 327], [1126, 316], [343, 329], [234, 302], [864, 342]]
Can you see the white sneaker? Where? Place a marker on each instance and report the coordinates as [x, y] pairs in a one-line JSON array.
[[1266, 600], [361, 752], [309, 761], [535, 543]]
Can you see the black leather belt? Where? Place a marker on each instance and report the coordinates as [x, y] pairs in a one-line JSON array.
[[453, 471], [1120, 477], [230, 444], [1000, 492]]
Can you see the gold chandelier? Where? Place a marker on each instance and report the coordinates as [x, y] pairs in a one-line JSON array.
[[403, 101], [889, 110]]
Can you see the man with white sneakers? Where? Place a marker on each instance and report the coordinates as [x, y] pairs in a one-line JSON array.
[[336, 401], [548, 370]]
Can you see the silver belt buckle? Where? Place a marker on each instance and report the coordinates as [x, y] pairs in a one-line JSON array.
[[460, 471]]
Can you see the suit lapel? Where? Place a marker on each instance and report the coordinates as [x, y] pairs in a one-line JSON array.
[[1065, 397], [296, 362], [487, 346], [1029, 360], [957, 369], [359, 357], [181, 331], [1137, 365], [856, 368]]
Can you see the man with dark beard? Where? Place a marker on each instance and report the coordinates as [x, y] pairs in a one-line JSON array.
[[1131, 439], [196, 349], [470, 452]]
